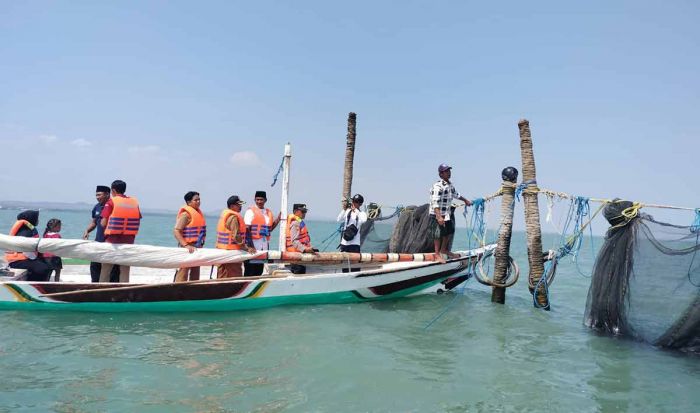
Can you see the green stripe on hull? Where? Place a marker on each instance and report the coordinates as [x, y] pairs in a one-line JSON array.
[[342, 297]]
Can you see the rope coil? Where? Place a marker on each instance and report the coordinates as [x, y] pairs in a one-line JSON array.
[[512, 276]]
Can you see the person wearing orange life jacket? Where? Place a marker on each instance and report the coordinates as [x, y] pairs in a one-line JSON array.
[[298, 238], [25, 226], [230, 235], [190, 232], [121, 219], [259, 225]]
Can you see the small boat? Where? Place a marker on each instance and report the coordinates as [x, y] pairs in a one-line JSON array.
[[380, 277], [371, 276]]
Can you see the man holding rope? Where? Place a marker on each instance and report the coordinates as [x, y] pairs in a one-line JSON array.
[[442, 224]]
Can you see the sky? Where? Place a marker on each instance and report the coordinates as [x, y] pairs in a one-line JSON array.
[[173, 96]]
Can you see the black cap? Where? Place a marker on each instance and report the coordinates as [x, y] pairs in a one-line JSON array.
[[234, 199], [358, 198], [103, 188], [301, 207], [261, 194]]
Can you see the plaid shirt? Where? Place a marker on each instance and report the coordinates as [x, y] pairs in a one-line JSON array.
[[441, 196]]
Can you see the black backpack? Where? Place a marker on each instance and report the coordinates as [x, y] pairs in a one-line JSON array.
[[350, 231]]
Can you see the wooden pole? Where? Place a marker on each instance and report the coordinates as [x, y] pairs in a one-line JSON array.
[[284, 207], [349, 158], [532, 216], [502, 253]]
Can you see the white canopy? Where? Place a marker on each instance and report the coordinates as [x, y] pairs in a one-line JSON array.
[[124, 254]]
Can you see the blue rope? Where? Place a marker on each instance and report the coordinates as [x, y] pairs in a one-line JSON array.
[[572, 233], [326, 242], [443, 312], [279, 170], [477, 224], [520, 188], [695, 227], [476, 227], [542, 282], [571, 242], [459, 292]]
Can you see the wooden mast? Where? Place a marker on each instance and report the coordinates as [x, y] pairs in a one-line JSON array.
[[285, 196]]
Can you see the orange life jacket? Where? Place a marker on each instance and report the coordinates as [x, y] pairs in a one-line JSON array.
[[12, 256], [225, 239], [304, 237], [125, 218], [196, 231], [258, 228]]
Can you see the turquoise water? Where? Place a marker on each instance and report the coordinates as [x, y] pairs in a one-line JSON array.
[[373, 357]]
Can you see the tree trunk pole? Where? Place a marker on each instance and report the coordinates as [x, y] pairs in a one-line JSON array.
[[532, 216], [502, 253], [349, 158]]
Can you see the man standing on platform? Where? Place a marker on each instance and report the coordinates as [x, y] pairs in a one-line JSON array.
[[260, 224], [121, 218], [190, 232], [102, 196], [442, 226]]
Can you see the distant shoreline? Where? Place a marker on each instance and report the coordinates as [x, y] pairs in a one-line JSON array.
[[65, 206]]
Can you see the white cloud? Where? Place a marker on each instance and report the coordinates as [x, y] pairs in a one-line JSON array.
[[245, 158], [49, 139], [144, 149], [81, 143]]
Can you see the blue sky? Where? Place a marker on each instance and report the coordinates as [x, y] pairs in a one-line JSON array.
[[172, 96]]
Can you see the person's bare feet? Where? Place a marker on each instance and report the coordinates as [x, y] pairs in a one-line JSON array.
[[440, 258]]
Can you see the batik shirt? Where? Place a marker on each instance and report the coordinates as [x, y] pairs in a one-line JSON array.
[[441, 196]]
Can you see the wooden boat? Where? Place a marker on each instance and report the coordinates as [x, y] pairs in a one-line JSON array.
[[381, 277]]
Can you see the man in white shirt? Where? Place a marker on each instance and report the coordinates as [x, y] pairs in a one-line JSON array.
[[350, 216], [260, 224]]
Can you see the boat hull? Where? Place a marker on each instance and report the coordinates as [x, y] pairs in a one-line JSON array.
[[232, 295]]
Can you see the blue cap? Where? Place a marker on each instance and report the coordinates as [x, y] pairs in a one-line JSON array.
[[443, 167]]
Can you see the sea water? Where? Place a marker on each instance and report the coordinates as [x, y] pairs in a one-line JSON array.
[[367, 357]]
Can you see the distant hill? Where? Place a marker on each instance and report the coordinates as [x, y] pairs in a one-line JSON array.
[[64, 206]]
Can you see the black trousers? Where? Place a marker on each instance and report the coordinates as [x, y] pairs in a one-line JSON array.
[[253, 269], [96, 267], [38, 269], [350, 248]]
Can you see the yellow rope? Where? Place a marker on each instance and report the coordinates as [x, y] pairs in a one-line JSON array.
[[373, 213], [628, 214], [607, 201]]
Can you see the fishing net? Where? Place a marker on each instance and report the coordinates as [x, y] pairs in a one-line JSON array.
[[646, 280], [403, 231], [376, 233]]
